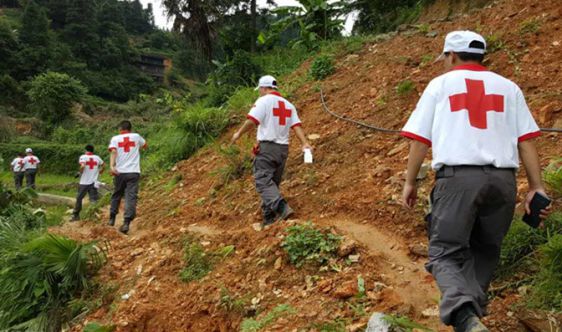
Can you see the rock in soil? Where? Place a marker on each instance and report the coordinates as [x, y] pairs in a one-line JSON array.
[[347, 247], [347, 290]]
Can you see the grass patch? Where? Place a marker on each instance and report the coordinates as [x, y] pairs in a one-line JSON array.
[[337, 325], [546, 290], [237, 164], [232, 303], [198, 262], [92, 211], [306, 244], [97, 327], [495, 43], [254, 325], [530, 25], [405, 324], [405, 87], [173, 182]]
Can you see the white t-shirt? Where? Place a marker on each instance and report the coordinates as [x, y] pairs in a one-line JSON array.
[[91, 171], [17, 165], [274, 116], [128, 147], [30, 162], [471, 116]]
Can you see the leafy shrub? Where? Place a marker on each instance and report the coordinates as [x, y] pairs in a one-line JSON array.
[[546, 291], [322, 67], [240, 71], [52, 95], [553, 176], [306, 244], [531, 25], [405, 87], [253, 325]]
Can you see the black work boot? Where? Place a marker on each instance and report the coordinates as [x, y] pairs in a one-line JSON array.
[[466, 320], [268, 218], [111, 220], [284, 211], [125, 228]]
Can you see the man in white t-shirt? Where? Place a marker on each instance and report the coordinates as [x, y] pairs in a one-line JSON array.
[[479, 125], [125, 167], [91, 166], [274, 116], [18, 168], [30, 167]]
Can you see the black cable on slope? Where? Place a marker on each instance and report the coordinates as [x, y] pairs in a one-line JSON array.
[[384, 130]]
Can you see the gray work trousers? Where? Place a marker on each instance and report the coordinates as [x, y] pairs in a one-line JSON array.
[[84, 189], [126, 184], [30, 178], [18, 179], [472, 211], [269, 165]]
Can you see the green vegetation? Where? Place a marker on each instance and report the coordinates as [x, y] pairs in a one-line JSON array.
[[237, 163], [97, 327], [546, 290], [337, 325], [530, 26], [52, 95], [405, 87], [322, 67], [254, 325], [232, 303], [495, 43], [405, 324], [198, 262], [307, 244], [41, 272], [553, 177]]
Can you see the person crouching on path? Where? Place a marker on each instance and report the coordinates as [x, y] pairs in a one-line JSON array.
[[479, 125], [91, 166], [18, 169], [125, 167], [30, 167], [274, 116]]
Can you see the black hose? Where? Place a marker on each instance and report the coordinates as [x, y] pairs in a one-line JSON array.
[[389, 131]]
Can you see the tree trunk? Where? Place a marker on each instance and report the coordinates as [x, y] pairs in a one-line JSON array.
[[254, 29]]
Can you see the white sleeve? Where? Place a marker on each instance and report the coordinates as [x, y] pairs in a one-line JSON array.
[[295, 120], [14, 162], [258, 112], [526, 126], [81, 160], [100, 161], [420, 123], [142, 141], [38, 160], [112, 144]]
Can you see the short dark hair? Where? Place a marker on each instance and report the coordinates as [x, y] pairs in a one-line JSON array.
[[90, 148], [125, 125], [465, 56], [21, 154]]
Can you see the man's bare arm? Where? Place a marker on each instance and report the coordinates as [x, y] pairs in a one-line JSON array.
[[530, 159], [418, 151], [302, 137], [245, 127]]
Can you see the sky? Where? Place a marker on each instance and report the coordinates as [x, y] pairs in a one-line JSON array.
[[162, 22]]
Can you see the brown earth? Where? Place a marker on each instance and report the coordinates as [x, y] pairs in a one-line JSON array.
[[352, 187]]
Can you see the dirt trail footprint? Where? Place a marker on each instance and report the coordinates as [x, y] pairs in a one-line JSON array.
[[410, 280]]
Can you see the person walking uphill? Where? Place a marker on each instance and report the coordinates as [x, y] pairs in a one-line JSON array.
[[125, 167], [478, 124], [18, 169], [30, 166], [274, 116], [91, 166]]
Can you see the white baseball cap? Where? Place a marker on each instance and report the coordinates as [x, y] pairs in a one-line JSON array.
[[28, 150], [267, 81], [459, 41]]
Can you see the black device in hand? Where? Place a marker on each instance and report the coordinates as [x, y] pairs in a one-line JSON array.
[[538, 203]]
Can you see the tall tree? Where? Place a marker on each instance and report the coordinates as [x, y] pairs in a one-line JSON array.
[[80, 29], [34, 40]]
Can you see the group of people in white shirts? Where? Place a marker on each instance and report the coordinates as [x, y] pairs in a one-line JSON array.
[[25, 166]]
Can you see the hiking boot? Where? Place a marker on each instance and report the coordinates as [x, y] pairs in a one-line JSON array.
[[285, 211], [467, 321], [75, 217], [268, 221], [125, 227], [111, 221]]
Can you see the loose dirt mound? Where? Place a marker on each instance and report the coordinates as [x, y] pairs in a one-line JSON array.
[[353, 186]]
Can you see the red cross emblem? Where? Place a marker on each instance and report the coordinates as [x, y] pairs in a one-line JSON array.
[[282, 112], [91, 163], [32, 161], [127, 144], [477, 103], [21, 163]]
